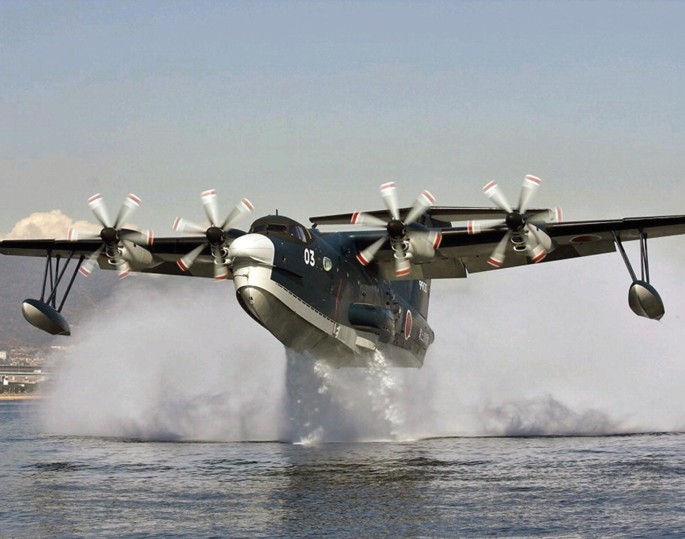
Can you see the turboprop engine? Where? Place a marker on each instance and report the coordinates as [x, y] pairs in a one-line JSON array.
[[410, 241], [422, 245]]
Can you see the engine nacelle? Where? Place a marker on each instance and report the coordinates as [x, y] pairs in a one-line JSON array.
[[422, 245], [645, 301], [45, 317]]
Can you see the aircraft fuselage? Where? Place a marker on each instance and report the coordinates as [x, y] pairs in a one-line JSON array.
[[310, 292]]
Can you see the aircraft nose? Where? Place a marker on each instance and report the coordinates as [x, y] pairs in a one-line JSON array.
[[252, 248]]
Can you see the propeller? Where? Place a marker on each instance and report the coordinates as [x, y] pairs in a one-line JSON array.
[[216, 234], [114, 238], [398, 231], [524, 230]]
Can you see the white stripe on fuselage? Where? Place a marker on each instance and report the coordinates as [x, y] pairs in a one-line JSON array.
[[253, 263]]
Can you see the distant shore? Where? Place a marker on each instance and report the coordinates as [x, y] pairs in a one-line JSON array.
[[19, 397]]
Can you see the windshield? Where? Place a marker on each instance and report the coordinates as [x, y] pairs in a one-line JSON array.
[[279, 226]]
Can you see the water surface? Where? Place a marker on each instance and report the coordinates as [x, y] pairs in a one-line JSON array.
[[623, 486]]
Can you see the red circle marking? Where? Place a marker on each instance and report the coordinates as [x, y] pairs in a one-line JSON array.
[[407, 325], [585, 239]]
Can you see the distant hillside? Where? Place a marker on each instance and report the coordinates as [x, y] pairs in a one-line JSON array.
[[22, 278]]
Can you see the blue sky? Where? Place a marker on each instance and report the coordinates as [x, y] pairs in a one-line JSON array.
[[308, 106]]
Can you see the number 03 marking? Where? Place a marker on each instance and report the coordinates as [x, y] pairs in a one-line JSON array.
[[309, 257]]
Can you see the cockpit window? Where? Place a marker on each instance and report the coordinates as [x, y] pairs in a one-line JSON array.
[[298, 232], [291, 231], [269, 227]]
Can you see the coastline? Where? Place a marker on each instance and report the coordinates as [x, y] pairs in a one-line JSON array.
[[18, 397]]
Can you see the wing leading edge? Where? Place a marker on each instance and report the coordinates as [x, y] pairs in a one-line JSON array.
[[161, 257], [569, 240], [462, 252]]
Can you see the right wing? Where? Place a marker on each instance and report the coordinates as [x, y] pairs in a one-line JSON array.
[[462, 252], [571, 240]]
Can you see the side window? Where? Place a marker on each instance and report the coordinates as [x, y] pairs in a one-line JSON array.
[[298, 232]]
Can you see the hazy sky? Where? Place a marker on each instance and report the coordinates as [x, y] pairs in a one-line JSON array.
[[308, 106]]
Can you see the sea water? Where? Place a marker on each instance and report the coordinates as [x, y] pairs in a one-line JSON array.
[[194, 424], [95, 486]]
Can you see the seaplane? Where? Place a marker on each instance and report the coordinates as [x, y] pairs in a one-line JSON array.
[[337, 292]]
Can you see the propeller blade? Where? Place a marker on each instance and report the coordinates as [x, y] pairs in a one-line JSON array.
[[365, 219], [541, 237], [434, 237], [211, 205], [494, 193], [144, 238], [366, 256], [530, 186], [131, 204], [120, 261], [97, 206], [124, 268], [91, 262], [244, 206], [536, 254], [553, 215], [389, 194], [187, 261], [476, 227], [535, 250], [499, 254], [438, 240], [424, 201], [220, 272], [76, 234], [402, 265], [184, 226]]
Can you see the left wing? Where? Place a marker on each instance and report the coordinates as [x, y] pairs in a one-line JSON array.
[[165, 256], [123, 249], [161, 256]]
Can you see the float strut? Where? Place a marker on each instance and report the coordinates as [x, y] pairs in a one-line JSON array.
[[626, 260], [57, 278], [43, 313]]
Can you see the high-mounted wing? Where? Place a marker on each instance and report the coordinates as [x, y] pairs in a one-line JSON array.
[[469, 240], [461, 251], [161, 257], [126, 250], [569, 240], [494, 238], [444, 214]]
